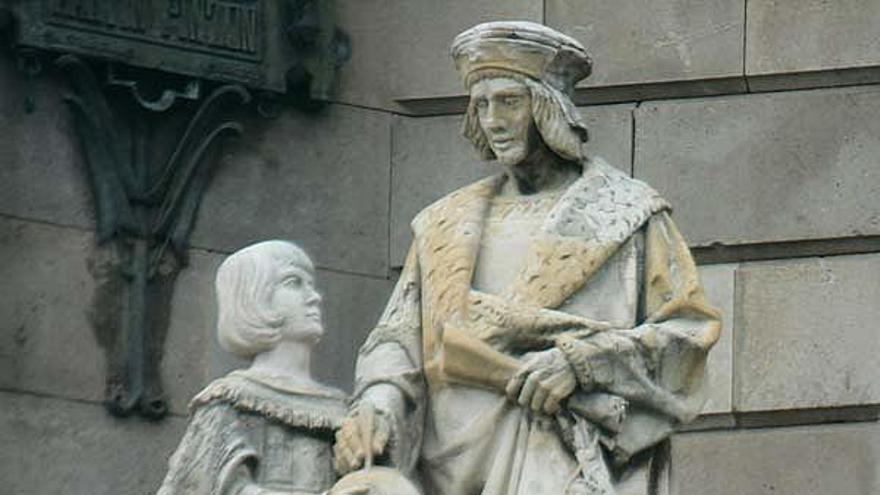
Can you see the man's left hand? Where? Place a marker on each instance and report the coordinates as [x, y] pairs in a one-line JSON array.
[[543, 382]]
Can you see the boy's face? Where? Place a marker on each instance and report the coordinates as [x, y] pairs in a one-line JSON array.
[[297, 301]]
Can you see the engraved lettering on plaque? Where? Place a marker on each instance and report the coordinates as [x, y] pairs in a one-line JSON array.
[[227, 27]]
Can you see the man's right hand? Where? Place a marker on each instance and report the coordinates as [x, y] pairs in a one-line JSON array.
[[363, 435]]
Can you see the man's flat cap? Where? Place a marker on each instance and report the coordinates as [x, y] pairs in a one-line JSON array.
[[522, 47]]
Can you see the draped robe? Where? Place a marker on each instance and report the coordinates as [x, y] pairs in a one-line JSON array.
[[609, 281]]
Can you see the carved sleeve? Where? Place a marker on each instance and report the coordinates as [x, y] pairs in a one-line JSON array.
[[389, 368], [658, 366], [214, 457]]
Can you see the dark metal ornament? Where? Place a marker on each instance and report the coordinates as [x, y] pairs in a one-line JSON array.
[[146, 210], [135, 69]]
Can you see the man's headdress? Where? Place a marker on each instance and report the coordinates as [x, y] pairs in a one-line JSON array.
[[526, 48]]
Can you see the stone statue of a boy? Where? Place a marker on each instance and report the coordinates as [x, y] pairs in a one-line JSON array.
[[548, 328], [268, 429]]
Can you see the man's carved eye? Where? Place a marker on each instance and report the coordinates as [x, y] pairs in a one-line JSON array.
[[293, 281], [482, 104], [512, 101]]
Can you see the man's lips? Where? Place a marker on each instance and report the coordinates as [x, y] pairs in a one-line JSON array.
[[502, 142]]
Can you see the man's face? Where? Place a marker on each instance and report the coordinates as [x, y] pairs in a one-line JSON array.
[[297, 301], [504, 108]]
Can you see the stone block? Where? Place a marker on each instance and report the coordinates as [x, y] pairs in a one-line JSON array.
[[401, 47], [364, 79], [320, 180], [431, 159], [788, 38], [718, 282], [765, 168], [816, 460], [61, 446], [352, 306], [807, 334], [635, 42], [42, 172], [49, 346]]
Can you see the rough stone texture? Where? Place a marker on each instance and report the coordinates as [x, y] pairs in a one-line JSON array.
[[764, 168], [319, 180], [42, 173], [61, 446], [48, 345], [401, 47], [807, 333], [718, 282], [816, 460], [811, 35], [651, 41], [430, 159], [352, 305]]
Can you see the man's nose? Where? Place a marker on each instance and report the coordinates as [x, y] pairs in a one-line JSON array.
[[493, 118]]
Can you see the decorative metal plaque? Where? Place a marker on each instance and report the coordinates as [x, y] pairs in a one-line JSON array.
[[232, 41]]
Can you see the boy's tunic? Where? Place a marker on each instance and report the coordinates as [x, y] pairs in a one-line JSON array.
[[250, 432]]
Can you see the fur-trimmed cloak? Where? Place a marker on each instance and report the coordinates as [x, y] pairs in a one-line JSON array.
[[609, 281]]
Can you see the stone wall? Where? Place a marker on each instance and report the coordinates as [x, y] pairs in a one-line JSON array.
[[758, 119]]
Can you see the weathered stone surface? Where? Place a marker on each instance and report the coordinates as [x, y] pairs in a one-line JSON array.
[[650, 41], [764, 168], [193, 324], [320, 180], [48, 345], [352, 305], [364, 79], [807, 333], [62, 446], [718, 282], [431, 159], [402, 46], [815, 460], [42, 173], [811, 35]]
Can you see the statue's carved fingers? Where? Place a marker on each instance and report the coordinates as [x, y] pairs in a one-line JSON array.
[[515, 384], [542, 392], [528, 389]]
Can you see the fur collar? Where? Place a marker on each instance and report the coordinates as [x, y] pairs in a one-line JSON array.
[[310, 410], [591, 220]]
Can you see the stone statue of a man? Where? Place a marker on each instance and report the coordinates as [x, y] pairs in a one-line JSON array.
[[268, 429], [548, 328]]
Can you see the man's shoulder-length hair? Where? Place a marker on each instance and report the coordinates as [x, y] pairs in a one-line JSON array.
[[555, 116]]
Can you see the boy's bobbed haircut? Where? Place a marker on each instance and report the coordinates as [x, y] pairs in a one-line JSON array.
[[247, 324]]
